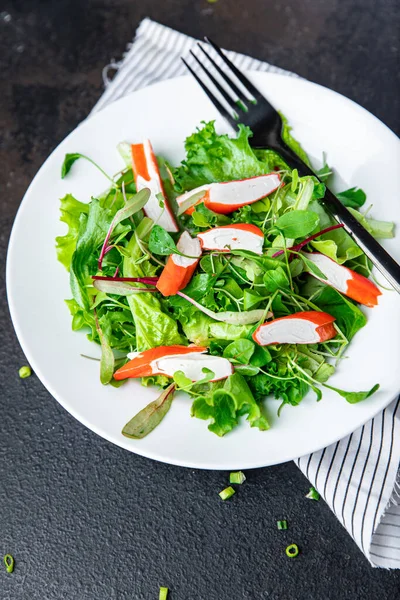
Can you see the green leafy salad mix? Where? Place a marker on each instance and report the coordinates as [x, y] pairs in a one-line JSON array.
[[115, 254]]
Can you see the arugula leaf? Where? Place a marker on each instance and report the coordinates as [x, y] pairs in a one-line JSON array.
[[212, 158], [149, 417], [354, 397], [297, 223], [353, 197], [348, 316], [71, 210]]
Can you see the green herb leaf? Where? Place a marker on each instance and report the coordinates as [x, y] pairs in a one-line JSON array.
[[149, 417], [354, 197], [241, 350], [297, 223], [312, 267], [354, 397], [73, 157], [349, 317], [276, 280], [161, 242]]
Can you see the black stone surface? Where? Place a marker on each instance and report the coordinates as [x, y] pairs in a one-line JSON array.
[[86, 520]]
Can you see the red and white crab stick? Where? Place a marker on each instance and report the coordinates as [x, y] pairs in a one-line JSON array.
[[345, 280], [228, 196], [240, 236], [309, 327], [166, 360], [147, 175], [179, 269]]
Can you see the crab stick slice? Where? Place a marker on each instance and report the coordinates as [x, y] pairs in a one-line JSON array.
[[241, 236], [226, 197], [179, 269], [166, 360], [309, 327], [345, 280], [147, 175]]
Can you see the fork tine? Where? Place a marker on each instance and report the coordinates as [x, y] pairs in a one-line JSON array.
[[247, 84], [219, 87], [220, 108], [225, 76]]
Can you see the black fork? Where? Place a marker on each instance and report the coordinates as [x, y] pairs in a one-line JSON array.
[[254, 110]]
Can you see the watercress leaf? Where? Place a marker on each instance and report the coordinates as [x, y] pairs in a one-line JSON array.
[[241, 350], [349, 317], [181, 380], [251, 299], [297, 223], [354, 397], [276, 280], [324, 371], [161, 242], [68, 162], [261, 356], [149, 417], [248, 370], [353, 197]]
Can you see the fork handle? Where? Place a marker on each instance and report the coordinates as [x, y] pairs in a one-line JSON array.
[[382, 260]]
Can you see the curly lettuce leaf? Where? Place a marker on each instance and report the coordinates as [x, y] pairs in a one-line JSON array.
[[154, 327], [71, 210], [212, 157], [226, 404]]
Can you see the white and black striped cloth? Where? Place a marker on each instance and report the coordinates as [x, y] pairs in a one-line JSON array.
[[357, 476]]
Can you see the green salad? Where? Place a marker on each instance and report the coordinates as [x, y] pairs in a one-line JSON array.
[[261, 300]]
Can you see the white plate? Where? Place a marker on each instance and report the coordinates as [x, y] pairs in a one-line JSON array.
[[365, 153]]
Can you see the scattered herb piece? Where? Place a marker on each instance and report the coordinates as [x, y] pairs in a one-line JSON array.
[[313, 494], [25, 371], [237, 477], [227, 493], [71, 158], [282, 525], [9, 563], [292, 550], [163, 593]]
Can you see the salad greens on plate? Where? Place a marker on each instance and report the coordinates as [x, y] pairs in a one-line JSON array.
[[224, 278]]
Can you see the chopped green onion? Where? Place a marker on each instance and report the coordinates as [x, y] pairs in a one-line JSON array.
[[313, 494], [9, 563], [292, 550], [163, 593], [237, 477], [281, 525], [227, 493], [25, 372]]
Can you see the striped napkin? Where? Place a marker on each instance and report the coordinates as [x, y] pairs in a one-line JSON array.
[[359, 476]]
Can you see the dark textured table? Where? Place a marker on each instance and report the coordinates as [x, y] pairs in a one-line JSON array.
[[86, 520]]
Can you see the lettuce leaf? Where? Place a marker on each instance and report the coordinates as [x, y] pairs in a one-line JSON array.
[[154, 327], [348, 316], [291, 142], [226, 404], [71, 210], [212, 158]]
